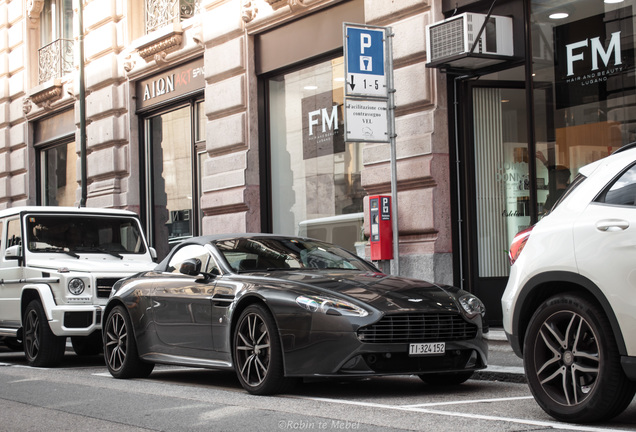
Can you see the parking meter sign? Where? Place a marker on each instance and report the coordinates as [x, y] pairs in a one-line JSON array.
[[365, 51]]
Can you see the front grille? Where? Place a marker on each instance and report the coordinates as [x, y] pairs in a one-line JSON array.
[[418, 328], [104, 286]]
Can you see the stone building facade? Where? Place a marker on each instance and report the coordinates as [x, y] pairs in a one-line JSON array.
[[217, 63]]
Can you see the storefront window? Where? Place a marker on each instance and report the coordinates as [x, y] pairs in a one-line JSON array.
[[59, 172], [586, 59], [502, 192], [172, 177], [315, 175]]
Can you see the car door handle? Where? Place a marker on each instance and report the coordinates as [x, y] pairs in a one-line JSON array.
[[610, 225]]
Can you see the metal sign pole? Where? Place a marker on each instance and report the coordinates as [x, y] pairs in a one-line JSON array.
[[370, 101], [392, 136]]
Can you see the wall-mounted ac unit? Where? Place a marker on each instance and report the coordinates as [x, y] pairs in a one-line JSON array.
[[450, 42]]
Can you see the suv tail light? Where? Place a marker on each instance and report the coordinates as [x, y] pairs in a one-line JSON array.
[[518, 243]]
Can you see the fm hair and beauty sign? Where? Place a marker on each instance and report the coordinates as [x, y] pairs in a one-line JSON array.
[[322, 125], [178, 81], [594, 58]]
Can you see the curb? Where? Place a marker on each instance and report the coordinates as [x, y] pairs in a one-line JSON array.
[[501, 373]]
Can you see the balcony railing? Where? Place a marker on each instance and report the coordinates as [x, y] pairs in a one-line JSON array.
[[160, 13], [55, 60]]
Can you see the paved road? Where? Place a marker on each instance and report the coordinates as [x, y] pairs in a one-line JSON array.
[[81, 396]]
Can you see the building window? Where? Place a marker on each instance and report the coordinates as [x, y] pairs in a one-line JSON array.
[[57, 159], [160, 13], [173, 163], [586, 60], [59, 183], [55, 56], [315, 175]]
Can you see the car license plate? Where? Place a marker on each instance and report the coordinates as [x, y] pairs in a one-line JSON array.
[[424, 349]]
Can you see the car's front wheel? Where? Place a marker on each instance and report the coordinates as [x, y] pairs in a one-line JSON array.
[[120, 347], [41, 347], [572, 362], [258, 357]]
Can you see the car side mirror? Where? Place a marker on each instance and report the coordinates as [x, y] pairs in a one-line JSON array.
[[191, 267], [153, 253], [13, 252]]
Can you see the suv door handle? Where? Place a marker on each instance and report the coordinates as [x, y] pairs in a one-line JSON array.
[[609, 225]]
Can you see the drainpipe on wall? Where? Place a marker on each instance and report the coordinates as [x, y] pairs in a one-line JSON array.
[[82, 106]]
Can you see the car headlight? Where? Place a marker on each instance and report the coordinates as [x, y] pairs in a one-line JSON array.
[[472, 305], [76, 286], [330, 306]]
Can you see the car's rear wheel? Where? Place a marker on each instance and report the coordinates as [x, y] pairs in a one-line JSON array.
[[120, 347], [258, 357], [454, 378], [41, 347], [572, 362]]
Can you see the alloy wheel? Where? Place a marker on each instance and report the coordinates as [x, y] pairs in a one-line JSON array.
[[115, 343], [253, 349], [567, 358], [32, 334]]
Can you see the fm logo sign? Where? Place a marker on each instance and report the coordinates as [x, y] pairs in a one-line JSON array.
[[321, 128], [596, 50], [594, 58], [329, 120]]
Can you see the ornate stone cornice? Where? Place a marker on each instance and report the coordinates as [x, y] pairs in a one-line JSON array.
[[158, 49], [46, 96], [249, 10], [34, 8]]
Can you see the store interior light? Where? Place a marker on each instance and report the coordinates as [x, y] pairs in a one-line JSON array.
[[559, 15], [311, 87], [614, 1]]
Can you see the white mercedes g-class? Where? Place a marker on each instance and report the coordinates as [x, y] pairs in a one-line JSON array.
[[57, 267]]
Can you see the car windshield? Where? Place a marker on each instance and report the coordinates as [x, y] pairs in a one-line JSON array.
[[83, 233], [269, 254]]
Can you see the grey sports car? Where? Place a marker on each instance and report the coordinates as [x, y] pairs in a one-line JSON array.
[[276, 309]]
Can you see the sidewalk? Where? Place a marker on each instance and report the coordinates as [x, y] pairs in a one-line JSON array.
[[503, 364]]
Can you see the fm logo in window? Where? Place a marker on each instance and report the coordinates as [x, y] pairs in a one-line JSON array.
[[322, 125], [594, 58]]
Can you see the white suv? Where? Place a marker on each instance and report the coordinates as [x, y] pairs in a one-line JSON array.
[[57, 267], [569, 308]]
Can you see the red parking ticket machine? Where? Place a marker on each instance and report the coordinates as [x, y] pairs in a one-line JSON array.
[[381, 227]]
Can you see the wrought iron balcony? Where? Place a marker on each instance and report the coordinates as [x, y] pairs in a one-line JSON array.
[[55, 60], [160, 13]]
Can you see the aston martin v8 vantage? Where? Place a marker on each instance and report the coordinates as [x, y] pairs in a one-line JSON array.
[[276, 309]]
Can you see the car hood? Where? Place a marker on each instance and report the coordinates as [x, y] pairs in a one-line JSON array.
[[92, 264], [383, 292]]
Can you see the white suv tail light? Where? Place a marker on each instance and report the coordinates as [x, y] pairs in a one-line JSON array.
[[518, 243]]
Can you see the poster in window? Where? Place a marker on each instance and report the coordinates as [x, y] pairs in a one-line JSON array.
[[594, 58]]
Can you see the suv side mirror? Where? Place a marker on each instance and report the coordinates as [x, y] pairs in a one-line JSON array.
[[13, 252], [153, 253]]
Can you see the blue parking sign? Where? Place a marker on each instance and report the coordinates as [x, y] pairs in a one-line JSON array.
[[365, 69], [365, 51]]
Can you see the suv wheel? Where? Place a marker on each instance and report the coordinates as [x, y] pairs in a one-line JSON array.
[[41, 347], [572, 362]]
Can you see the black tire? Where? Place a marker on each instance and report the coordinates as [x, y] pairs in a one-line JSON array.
[[88, 345], [258, 357], [446, 379], [572, 362], [120, 347], [41, 347]]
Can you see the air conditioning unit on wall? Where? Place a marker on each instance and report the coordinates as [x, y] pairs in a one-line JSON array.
[[450, 42]]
